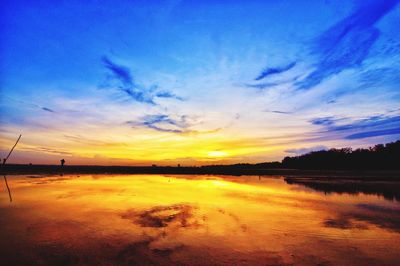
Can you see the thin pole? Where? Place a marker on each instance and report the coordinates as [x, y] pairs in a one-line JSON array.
[[4, 161]]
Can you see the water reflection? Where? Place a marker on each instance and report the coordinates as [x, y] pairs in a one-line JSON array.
[[389, 190], [8, 188], [193, 220]]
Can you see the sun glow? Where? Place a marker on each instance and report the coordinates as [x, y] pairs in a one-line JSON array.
[[217, 154]]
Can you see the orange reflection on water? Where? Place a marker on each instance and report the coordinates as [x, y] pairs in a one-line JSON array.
[[192, 220]]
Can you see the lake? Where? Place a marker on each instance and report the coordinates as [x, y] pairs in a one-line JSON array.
[[198, 220]]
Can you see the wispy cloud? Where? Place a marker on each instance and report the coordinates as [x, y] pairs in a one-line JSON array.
[[274, 70], [347, 43], [167, 94], [131, 88], [278, 112], [163, 123], [325, 121], [368, 134], [48, 110], [369, 122], [380, 76], [166, 123], [306, 150], [262, 86], [121, 72], [372, 126], [30, 104], [47, 150]]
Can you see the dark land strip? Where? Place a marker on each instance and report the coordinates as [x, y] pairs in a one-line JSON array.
[[20, 169]]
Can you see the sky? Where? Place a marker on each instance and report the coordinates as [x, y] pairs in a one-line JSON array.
[[196, 82]]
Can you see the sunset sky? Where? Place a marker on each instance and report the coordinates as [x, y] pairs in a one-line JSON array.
[[196, 82]]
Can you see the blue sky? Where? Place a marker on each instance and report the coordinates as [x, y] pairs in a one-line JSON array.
[[197, 81]]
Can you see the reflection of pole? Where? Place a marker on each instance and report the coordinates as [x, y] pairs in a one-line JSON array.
[[4, 162], [9, 192]]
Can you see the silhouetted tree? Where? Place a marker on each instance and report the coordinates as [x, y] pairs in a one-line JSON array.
[[383, 157]]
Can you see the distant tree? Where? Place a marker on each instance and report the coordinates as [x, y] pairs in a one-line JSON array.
[[384, 157]]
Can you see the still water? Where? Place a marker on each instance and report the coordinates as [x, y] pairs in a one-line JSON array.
[[197, 220]]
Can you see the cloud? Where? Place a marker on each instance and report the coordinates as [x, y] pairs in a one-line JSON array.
[[380, 76], [376, 133], [306, 150], [132, 89], [378, 125], [347, 43], [262, 86], [274, 70], [163, 123], [48, 110], [121, 72], [166, 94], [278, 112], [47, 150], [372, 121], [325, 121], [31, 104]]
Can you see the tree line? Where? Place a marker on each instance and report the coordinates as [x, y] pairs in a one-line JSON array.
[[379, 157]]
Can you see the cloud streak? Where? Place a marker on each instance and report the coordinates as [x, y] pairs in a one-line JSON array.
[[372, 126], [48, 110], [274, 70], [31, 104], [347, 43], [162, 123], [132, 89], [306, 150], [121, 72], [376, 133], [278, 112], [166, 123]]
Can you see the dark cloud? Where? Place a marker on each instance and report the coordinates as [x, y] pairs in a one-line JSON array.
[[121, 72], [369, 122], [166, 94], [262, 86], [274, 70], [163, 123], [372, 126], [48, 110], [280, 112], [325, 121], [347, 43], [133, 90], [376, 133]]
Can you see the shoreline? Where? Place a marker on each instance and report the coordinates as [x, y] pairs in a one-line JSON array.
[[14, 169]]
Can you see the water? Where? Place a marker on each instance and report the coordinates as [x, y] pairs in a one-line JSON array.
[[198, 220]]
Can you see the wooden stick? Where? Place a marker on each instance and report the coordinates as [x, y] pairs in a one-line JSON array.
[[4, 161]]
